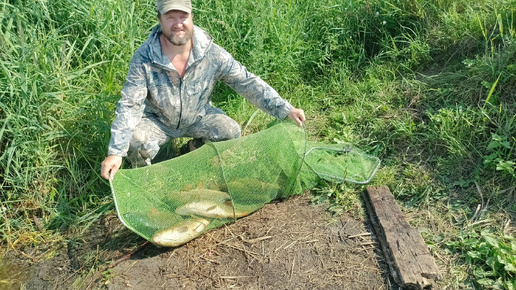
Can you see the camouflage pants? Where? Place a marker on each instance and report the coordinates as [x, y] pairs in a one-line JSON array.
[[150, 134]]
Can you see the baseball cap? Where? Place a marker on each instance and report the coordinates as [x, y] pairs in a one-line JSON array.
[[166, 5]]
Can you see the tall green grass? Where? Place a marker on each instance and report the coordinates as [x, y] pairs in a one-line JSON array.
[[429, 87], [61, 72]]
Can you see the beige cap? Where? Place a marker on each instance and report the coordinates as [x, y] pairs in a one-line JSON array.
[[166, 5]]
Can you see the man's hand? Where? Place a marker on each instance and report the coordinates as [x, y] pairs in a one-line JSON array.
[[298, 116], [110, 166]]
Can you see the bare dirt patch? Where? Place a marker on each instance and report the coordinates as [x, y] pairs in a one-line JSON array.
[[292, 244]]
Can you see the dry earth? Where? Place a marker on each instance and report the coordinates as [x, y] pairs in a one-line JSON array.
[[292, 244]]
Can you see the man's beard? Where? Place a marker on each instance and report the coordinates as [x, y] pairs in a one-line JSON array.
[[175, 39]]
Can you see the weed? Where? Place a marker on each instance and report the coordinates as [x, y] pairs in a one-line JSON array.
[[341, 197], [494, 255], [501, 152]]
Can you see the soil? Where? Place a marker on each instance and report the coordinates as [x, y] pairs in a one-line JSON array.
[[291, 244]]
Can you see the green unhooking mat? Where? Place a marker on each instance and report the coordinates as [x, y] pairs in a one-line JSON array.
[[172, 202]]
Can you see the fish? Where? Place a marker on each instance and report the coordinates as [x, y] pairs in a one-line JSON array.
[[209, 209], [180, 233], [203, 193], [197, 194]]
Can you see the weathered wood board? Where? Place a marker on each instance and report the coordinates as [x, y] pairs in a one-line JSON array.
[[410, 262]]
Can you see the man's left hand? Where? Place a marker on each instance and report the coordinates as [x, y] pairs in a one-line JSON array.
[[298, 116]]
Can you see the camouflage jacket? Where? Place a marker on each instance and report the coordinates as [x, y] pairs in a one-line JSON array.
[[153, 86]]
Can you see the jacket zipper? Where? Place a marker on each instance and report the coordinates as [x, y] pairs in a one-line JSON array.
[[180, 101], [181, 91]]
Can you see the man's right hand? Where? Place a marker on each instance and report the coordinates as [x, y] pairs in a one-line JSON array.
[[110, 166]]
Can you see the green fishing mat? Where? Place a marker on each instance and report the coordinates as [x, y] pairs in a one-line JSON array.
[[172, 202]]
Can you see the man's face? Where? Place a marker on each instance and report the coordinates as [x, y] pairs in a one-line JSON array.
[[177, 26]]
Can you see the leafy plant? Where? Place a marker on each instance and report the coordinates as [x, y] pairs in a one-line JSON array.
[[341, 197], [494, 258], [501, 152]]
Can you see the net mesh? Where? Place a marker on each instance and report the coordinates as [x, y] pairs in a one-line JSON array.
[[172, 202]]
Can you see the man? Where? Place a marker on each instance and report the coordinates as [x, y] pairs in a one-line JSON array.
[[168, 90]]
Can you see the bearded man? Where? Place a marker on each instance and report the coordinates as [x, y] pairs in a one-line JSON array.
[[167, 93]]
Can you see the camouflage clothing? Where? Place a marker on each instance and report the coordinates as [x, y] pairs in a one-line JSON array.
[[150, 134], [154, 91]]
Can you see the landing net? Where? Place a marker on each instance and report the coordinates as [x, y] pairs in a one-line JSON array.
[[172, 202]]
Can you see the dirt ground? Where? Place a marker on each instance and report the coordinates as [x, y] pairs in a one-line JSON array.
[[291, 244]]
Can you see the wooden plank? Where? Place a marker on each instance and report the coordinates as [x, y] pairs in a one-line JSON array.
[[410, 262]]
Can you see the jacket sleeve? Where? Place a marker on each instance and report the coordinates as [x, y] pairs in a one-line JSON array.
[[129, 109], [252, 87]]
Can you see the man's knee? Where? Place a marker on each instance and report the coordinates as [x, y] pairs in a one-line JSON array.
[[233, 130], [225, 129], [215, 126]]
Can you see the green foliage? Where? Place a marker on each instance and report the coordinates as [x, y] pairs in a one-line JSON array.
[[493, 256], [341, 197], [500, 150], [58, 88]]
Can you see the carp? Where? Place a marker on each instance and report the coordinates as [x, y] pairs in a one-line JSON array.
[[209, 209], [197, 194], [202, 193], [180, 233]]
